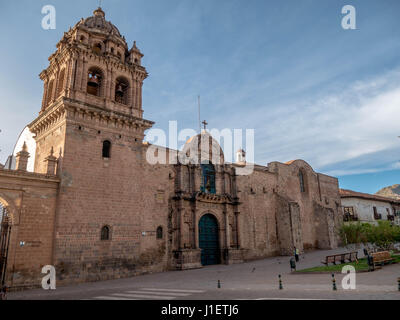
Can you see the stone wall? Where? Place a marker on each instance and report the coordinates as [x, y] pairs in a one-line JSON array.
[[31, 202]]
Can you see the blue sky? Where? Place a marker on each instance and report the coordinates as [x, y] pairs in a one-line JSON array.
[[287, 69]]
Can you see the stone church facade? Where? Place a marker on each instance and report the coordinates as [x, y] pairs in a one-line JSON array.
[[96, 209]]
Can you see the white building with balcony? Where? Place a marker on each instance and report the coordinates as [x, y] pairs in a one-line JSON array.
[[366, 207]]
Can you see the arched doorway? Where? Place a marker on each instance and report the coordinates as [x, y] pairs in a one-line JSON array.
[[5, 229], [209, 240]]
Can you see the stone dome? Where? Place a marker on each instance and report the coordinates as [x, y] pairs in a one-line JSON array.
[[98, 23], [203, 147]]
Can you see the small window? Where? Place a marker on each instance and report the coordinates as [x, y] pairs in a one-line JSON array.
[[208, 178], [349, 214], [377, 216], [159, 233], [106, 149], [105, 233]]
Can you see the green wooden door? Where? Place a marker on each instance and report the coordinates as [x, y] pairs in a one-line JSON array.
[[208, 240]]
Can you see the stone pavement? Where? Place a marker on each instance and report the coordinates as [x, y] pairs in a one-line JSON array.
[[250, 280]]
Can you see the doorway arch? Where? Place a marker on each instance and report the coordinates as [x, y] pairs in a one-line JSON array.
[[209, 240], [5, 230]]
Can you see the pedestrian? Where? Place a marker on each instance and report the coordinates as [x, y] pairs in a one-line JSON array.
[[3, 293], [296, 254]]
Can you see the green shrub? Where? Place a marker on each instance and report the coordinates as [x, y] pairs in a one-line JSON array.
[[382, 236]]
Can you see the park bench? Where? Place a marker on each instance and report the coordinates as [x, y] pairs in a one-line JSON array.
[[340, 258], [380, 258]]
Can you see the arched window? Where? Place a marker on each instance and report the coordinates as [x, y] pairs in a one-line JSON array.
[[121, 90], [105, 233], [94, 81], [159, 233], [208, 178], [106, 149], [301, 179], [97, 48], [82, 39], [60, 86]]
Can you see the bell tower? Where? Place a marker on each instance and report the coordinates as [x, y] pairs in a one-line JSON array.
[[93, 84], [90, 132]]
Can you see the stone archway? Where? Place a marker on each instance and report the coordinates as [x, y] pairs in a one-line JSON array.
[[5, 234], [209, 240]]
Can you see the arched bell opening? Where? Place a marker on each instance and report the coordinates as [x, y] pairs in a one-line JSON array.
[[121, 90], [95, 77]]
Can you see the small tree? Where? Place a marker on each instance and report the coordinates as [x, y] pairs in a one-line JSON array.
[[384, 235], [381, 236], [352, 233]]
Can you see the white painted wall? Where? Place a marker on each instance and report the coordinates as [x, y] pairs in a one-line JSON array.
[[364, 208]]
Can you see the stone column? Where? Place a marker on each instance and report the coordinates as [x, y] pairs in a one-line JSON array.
[[84, 76], [237, 229], [140, 95], [57, 80], [44, 100], [131, 95], [196, 229], [181, 228], [226, 221], [104, 90], [112, 85], [22, 158], [79, 74], [137, 94], [71, 72]]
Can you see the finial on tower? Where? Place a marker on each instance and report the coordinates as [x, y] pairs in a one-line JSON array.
[[99, 12], [205, 123], [25, 147], [22, 158]]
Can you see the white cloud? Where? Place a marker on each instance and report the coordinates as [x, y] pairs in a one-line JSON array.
[[358, 125]]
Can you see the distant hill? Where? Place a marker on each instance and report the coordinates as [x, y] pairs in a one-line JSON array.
[[390, 192]]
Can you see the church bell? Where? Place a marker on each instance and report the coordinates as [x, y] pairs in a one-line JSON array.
[[120, 90], [93, 80]]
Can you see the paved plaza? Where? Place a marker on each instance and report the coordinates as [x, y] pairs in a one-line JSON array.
[[255, 280]]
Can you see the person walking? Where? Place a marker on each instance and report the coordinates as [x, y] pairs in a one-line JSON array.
[[296, 254], [3, 293]]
